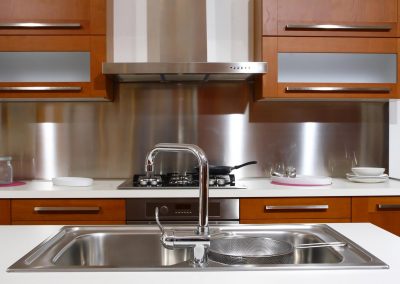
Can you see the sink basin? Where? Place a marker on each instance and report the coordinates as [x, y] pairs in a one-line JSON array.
[[127, 248]]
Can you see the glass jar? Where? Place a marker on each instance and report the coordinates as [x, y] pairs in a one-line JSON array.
[[6, 171]]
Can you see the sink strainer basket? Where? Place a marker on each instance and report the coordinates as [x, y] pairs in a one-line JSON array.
[[258, 250], [250, 250]]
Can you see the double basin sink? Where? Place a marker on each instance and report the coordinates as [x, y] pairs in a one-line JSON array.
[[138, 248]]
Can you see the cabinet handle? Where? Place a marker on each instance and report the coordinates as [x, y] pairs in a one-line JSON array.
[[40, 25], [296, 207], [327, 27], [40, 89], [388, 206], [335, 90], [94, 209]]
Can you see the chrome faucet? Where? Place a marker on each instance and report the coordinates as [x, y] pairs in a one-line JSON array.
[[200, 239]]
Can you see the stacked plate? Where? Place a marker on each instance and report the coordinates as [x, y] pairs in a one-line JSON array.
[[367, 175]]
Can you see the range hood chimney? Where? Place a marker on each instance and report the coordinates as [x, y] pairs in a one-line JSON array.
[[181, 40]]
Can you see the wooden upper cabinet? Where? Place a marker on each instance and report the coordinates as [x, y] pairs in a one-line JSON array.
[[53, 68], [381, 211], [329, 68], [5, 212], [43, 17], [353, 18]]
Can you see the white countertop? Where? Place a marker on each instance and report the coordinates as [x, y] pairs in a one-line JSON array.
[[256, 187], [16, 241]]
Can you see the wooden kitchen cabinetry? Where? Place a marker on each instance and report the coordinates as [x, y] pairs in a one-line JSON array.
[[4, 212], [67, 211], [58, 58], [329, 68], [351, 18], [295, 210], [56, 17], [381, 211]]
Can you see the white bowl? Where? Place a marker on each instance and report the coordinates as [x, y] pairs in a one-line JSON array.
[[368, 171]]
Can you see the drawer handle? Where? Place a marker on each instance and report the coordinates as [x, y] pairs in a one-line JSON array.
[[335, 90], [40, 25], [388, 206], [296, 207], [327, 27], [93, 209], [40, 89]]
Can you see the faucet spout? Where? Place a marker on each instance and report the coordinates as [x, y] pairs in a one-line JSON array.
[[201, 240], [203, 174]]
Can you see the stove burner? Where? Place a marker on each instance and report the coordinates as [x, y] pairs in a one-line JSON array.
[[182, 180], [178, 179]]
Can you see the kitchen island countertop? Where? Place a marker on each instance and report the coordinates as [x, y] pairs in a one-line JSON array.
[[255, 187], [15, 241]]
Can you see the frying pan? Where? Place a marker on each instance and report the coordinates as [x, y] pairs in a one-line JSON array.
[[225, 170]]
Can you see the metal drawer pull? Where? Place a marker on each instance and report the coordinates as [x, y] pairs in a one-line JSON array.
[[327, 27], [335, 90], [66, 209], [296, 207], [388, 206], [40, 89], [40, 25]]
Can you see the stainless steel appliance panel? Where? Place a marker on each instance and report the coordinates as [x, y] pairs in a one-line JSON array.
[[110, 140]]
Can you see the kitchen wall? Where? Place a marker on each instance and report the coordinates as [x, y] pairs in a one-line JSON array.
[[110, 139]]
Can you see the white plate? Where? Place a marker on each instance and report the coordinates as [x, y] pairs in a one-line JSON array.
[[302, 180], [351, 175], [72, 181], [368, 179]]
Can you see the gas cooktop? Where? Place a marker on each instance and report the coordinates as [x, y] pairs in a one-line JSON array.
[[176, 180]]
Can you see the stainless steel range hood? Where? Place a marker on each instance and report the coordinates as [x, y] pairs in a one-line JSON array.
[[181, 40]]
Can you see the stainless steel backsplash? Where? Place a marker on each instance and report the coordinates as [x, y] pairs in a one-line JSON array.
[[110, 140]]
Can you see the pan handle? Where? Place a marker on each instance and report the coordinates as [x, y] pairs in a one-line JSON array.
[[245, 164]]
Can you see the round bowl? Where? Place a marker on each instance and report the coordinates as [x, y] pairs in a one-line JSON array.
[[368, 171]]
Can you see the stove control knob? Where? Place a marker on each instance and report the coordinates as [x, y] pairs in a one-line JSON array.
[[153, 182], [164, 210], [143, 182]]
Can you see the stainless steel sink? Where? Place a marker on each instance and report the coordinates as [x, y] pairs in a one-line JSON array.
[[122, 248]]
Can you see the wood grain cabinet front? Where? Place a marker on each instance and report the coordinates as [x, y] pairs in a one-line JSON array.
[[381, 211], [329, 68], [334, 18], [295, 210], [52, 68], [5, 212], [56, 17], [68, 211]]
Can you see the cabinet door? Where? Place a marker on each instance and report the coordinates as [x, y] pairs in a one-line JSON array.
[[52, 68], [68, 211], [347, 18], [60, 17], [381, 211], [289, 210], [329, 68], [4, 211]]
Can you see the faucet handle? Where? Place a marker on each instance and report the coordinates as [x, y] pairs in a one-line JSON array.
[[156, 213]]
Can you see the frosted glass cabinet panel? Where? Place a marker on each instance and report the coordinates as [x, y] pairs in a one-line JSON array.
[[329, 68], [44, 66], [337, 68]]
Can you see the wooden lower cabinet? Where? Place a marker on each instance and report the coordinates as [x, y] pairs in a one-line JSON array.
[[295, 210], [4, 212], [67, 211], [381, 211]]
